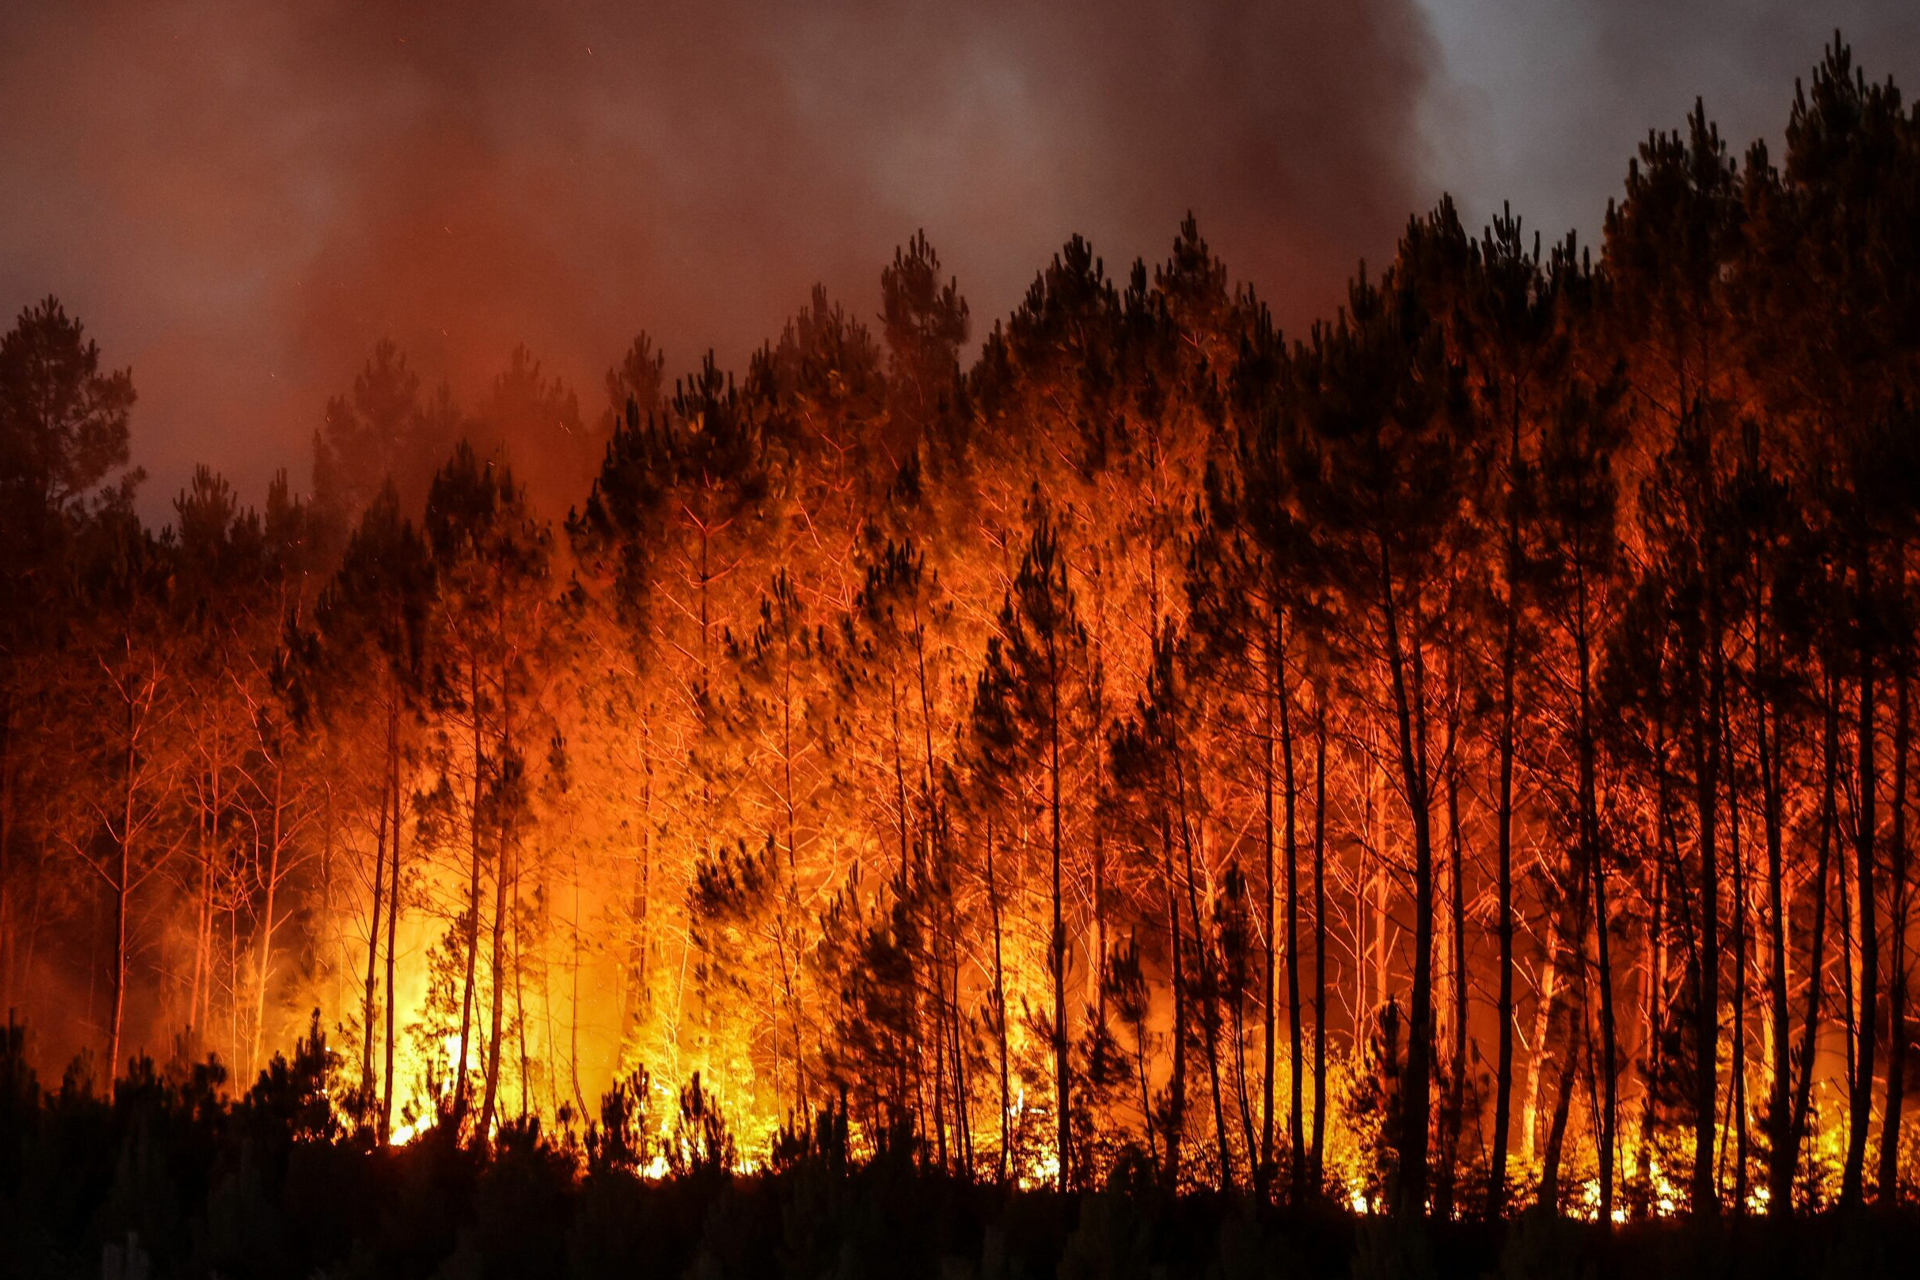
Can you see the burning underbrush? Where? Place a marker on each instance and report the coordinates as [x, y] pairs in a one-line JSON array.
[[178, 1174]]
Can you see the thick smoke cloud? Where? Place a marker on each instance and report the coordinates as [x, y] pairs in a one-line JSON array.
[[1545, 100], [240, 199]]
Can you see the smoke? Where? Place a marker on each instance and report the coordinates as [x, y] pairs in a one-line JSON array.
[[240, 199], [1549, 98]]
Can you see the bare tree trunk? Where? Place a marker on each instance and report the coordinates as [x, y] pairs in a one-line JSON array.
[[1411, 1196], [10, 930], [1849, 971], [368, 1035], [1000, 1010], [1596, 863], [1573, 933], [1503, 873], [573, 1002], [122, 889], [199, 998], [119, 968], [393, 915], [502, 878], [1264, 1166], [1318, 1170], [1058, 944], [1177, 1087], [266, 922], [1296, 1129], [1543, 998], [638, 998], [495, 966], [962, 1110], [1457, 1081], [1653, 1017], [1816, 960], [1549, 1197], [1897, 953], [473, 895], [1782, 1139], [520, 993], [1237, 1008], [1210, 1010], [1737, 1069], [1860, 1098], [1705, 1198]]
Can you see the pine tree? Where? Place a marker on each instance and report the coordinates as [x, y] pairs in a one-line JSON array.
[[1830, 339], [374, 617], [63, 463], [1667, 248], [380, 433], [124, 698], [1249, 589], [490, 559], [1382, 472], [1579, 569], [925, 326], [1034, 668]]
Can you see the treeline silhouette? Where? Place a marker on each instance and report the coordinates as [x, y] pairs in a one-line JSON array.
[[1453, 760], [175, 1176]]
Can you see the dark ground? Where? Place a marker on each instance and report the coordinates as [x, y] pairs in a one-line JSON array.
[[168, 1180]]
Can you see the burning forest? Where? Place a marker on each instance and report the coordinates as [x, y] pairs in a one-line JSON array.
[[1453, 763]]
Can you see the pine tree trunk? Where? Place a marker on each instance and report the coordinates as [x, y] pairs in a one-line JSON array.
[[1817, 951], [1705, 1197], [1653, 1016], [1782, 1140], [1000, 1011], [1177, 1086], [502, 877], [119, 968], [1737, 1069], [1860, 1098], [1411, 1195], [1059, 949], [1264, 1168], [10, 929], [1549, 1195], [1457, 1080], [1210, 1010], [1318, 1171], [519, 973], [1573, 938], [1503, 871], [638, 1000], [1889, 1192], [1296, 1129], [473, 896], [939, 1052], [793, 853], [199, 997], [1849, 971], [266, 923], [373, 943], [1545, 1002], [1237, 1008], [962, 1108], [393, 912], [1596, 862], [122, 889]]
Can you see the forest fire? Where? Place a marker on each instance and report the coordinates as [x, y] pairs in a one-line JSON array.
[[1451, 764]]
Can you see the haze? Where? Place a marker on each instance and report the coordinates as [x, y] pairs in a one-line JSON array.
[[240, 199]]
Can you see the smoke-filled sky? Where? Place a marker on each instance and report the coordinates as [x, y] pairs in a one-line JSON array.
[[239, 199]]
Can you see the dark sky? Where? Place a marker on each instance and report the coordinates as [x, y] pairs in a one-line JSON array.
[[240, 198]]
